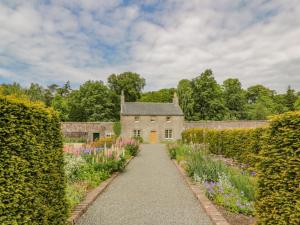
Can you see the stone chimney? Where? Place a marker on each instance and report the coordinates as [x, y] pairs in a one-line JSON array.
[[175, 99]]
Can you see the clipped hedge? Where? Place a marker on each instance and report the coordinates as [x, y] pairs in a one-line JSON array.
[[279, 172], [240, 144], [32, 180]]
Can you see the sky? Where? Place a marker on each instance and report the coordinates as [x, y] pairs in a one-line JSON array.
[[52, 41]]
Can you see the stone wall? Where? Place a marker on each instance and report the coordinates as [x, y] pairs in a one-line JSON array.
[[160, 124], [87, 129], [226, 124]]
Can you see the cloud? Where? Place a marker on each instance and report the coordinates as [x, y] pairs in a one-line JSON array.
[[165, 41]]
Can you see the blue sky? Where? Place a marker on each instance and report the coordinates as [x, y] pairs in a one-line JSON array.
[[53, 41]]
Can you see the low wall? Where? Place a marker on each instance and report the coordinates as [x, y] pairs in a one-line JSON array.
[[86, 129], [225, 124]]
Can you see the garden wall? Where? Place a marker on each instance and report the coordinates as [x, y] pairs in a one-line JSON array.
[[32, 178], [86, 129], [225, 124]]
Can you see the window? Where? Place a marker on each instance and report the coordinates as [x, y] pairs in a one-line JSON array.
[[168, 118], [152, 119], [168, 134], [136, 133], [136, 118]]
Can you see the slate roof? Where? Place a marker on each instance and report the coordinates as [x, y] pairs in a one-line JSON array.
[[151, 109]]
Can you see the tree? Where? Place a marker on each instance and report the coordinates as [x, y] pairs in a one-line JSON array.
[[13, 89], [35, 92], [290, 98], [185, 97], [207, 96], [92, 102], [234, 97], [131, 83], [297, 103], [65, 90], [61, 105], [162, 95], [257, 91]]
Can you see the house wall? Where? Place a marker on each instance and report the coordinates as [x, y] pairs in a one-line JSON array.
[[226, 124], [146, 126]]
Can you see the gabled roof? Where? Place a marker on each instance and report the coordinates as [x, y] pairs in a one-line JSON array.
[[150, 109]]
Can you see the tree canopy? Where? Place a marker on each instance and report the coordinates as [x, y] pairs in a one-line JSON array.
[[200, 98]]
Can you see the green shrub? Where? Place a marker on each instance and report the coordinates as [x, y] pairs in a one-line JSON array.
[[32, 179], [132, 148], [278, 200], [117, 128]]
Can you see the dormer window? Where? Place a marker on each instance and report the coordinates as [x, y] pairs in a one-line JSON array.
[[168, 118], [136, 119]]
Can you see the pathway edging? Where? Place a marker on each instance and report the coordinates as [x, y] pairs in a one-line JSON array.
[[90, 197], [213, 213]]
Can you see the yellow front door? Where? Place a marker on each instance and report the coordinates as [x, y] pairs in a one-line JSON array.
[[153, 137]]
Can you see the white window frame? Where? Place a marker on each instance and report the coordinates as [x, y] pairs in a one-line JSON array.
[[168, 134]]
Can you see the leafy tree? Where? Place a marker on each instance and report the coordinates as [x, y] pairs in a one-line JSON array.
[[185, 97], [36, 92], [297, 103], [261, 109], [61, 105], [257, 91], [290, 98], [65, 90], [131, 83], [234, 97], [13, 89], [92, 102], [207, 96], [162, 95]]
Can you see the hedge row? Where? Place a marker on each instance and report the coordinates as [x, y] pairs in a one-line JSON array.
[[279, 172], [240, 144], [32, 181]]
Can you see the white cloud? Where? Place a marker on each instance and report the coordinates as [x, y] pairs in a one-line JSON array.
[[257, 41]]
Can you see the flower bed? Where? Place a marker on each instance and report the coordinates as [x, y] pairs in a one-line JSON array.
[[86, 166], [229, 187]]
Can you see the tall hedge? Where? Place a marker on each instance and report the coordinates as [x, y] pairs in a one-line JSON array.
[[279, 172], [32, 181], [240, 144]]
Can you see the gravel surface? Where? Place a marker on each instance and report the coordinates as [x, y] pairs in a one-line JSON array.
[[150, 192]]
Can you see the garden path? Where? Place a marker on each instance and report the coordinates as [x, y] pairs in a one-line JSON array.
[[149, 192]]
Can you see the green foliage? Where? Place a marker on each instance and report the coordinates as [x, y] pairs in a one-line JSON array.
[[132, 148], [32, 180], [297, 103], [92, 102], [131, 83], [207, 94], [185, 97], [234, 97], [225, 185], [279, 172], [117, 128], [162, 95]]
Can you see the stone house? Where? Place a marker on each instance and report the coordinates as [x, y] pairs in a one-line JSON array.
[[154, 122]]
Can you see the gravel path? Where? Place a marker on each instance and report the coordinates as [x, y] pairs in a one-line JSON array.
[[149, 192]]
